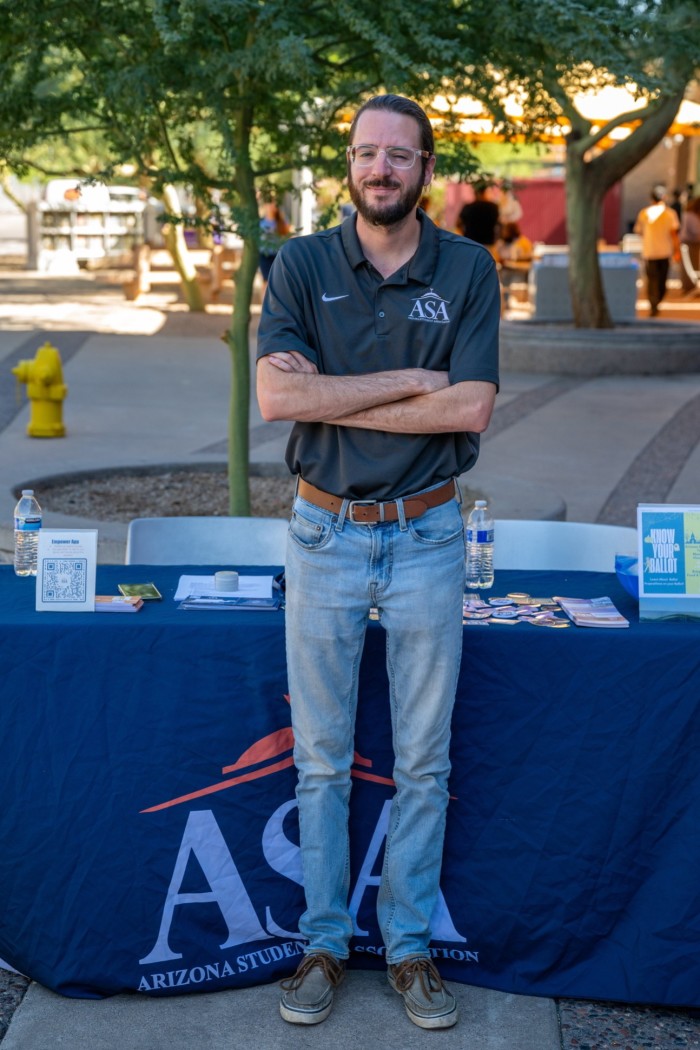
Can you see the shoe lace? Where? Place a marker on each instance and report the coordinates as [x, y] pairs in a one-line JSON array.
[[405, 974], [332, 970]]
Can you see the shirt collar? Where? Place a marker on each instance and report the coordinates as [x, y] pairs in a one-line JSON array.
[[419, 268]]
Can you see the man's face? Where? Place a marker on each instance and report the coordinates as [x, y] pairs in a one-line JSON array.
[[384, 195]]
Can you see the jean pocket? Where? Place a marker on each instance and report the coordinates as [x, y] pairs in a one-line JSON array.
[[309, 530], [441, 525]]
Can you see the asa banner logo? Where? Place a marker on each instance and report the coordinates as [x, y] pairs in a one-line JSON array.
[[260, 942]]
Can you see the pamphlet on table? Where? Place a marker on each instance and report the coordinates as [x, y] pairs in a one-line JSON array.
[[593, 612], [253, 593], [669, 561], [147, 592], [205, 587], [117, 603], [66, 570]]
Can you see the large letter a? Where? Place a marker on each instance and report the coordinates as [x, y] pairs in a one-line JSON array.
[[203, 838]]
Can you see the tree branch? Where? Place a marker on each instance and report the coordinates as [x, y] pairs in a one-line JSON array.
[[616, 161]]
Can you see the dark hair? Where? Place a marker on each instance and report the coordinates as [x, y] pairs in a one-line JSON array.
[[399, 104], [510, 231]]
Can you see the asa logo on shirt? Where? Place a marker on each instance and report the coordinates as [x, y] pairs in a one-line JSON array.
[[430, 307]]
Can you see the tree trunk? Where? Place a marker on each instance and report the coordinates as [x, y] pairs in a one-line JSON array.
[[584, 200], [175, 243], [238, 339], [587, 182]]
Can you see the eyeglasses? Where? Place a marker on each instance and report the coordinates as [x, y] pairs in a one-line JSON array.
[[397, 156]]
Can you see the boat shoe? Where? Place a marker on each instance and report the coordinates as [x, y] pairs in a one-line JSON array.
[[308, 995], [429, 1003]]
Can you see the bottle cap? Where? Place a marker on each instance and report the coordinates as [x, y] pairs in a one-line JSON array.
[[480, 503], [27, 492]]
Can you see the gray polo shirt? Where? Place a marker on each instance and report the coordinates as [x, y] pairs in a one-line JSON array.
[[439, 311]]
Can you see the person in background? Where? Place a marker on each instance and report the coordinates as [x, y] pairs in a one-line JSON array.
[[658, 225], [690, 235], [274, 229], [512, 245], [379, 339], [509, 207], [676, 203], [479, 220], [513, 253]]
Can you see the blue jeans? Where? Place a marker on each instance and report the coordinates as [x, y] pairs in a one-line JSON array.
[[413, 571]]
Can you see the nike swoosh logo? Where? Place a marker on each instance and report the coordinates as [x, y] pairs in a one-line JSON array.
[[332, 298]]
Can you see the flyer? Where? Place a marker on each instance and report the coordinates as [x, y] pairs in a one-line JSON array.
[[669, 561], [66, 570]]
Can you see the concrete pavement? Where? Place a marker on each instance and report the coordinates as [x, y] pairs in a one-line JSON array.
[[366, 1013], [148, 386]]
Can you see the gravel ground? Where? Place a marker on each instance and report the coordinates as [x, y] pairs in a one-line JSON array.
[[12, 989], [588, 1025], [174, 493]]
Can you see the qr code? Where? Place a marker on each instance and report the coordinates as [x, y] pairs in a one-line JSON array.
[[65, 580]]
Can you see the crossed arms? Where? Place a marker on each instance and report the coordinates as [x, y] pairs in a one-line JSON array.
[[404, 401]]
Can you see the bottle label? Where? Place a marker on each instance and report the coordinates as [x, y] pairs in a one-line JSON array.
[[27, 524], [480, 536]]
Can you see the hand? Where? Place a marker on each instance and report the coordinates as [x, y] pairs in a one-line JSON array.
[[292, 361]]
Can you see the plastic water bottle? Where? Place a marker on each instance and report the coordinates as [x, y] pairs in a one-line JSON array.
[[479, 547], [27, 525]]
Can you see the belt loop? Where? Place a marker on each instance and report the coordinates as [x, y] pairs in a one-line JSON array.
[[402, 515], [342, 514], [458, 491]]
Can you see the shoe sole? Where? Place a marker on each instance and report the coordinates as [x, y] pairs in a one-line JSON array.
[[304, 1016], [446, 1020]]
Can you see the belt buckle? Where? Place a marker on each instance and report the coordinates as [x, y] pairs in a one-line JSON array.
[[363, 503]]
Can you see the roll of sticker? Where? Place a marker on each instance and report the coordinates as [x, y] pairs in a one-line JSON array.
[[226, 581]]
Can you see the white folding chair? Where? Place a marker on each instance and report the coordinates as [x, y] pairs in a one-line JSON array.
[[560, 545], [206, 541], [693, 274]]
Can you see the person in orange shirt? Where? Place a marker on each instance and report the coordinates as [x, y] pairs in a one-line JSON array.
[[658, 224]]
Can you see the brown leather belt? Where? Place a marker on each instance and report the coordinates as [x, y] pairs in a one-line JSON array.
[[371, 511]]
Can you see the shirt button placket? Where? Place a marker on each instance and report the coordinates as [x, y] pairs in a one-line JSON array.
[[381, 316]]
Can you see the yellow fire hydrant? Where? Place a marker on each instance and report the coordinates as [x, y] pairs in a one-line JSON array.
[[45, 390]]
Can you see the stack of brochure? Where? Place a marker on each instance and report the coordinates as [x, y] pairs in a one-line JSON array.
[[254, 594], [592, 612], [117, 603]]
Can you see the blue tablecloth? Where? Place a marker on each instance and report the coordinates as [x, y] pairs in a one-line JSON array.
[[148, 822]]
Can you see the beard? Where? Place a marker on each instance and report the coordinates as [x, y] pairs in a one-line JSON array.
[[385, 213]]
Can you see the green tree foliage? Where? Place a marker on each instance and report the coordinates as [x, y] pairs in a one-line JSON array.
[[219, 95], [547, 52]]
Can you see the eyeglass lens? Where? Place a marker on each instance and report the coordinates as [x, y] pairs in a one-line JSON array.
[[397, 156]]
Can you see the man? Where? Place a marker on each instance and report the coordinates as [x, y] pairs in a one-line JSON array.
[[658, 225], [479, 220], [379, 338]]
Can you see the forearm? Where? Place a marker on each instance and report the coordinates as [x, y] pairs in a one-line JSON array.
[[300, 393], [463, 407]]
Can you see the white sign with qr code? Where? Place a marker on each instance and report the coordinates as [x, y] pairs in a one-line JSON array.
[[66, 570]]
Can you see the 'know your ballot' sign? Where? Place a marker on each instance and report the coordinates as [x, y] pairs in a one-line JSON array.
[[669, 561]]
